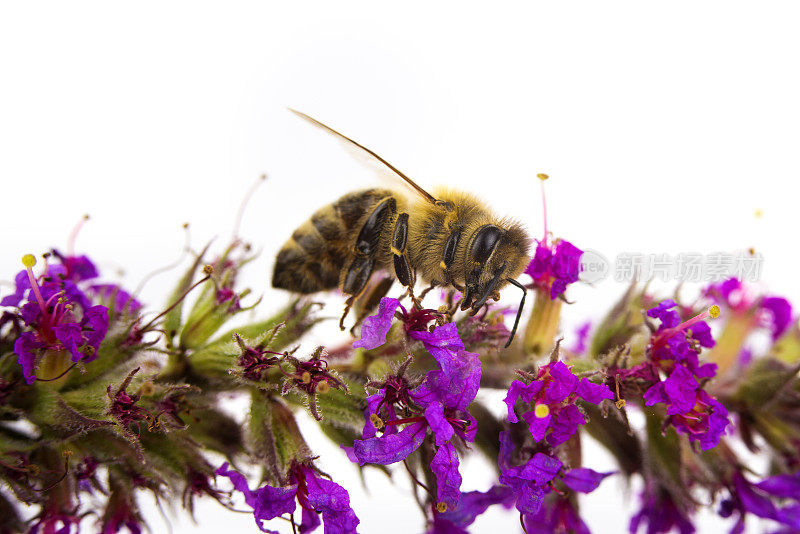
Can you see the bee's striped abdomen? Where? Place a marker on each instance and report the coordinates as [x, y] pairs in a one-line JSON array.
[[313, 258]]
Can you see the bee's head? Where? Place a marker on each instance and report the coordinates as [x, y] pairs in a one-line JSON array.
[[494, 256]]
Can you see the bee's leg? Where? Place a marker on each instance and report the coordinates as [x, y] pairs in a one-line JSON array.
[[427, 290], [354, 282], [365, 249], [402, 269], [370, 299]]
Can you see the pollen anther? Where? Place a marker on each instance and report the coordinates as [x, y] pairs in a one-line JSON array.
[[376, 421], [323, 387], [541, 410], [28, 260], [713, 311]]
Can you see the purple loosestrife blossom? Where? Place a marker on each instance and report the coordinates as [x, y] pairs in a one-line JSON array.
[[554, 266], [772, 312], [660, 514], [679, 343], [533, 480], [553, 394], [315, 494], [121, 301], [759, 500], [440, 404], [50, 311], [674, 349], [556, 516], [470, 506], [690, 409]]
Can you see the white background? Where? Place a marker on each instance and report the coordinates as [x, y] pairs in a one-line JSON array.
[[664, 127]]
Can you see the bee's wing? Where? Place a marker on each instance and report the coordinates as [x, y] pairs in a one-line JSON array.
[[359, 150]]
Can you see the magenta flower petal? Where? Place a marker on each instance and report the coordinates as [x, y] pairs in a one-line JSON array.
[[448, 480], [375, 327], [267, 502], [520, 389], [391, 448], [780, 315], [591, 392], [442, 429], [537, 425], [583, 479], [564, 424], [333, 501], [563, 384], [680, 389], [787, 486], [470, 506]]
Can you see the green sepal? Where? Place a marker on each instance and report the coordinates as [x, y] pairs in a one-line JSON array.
[[274, 437], [620, 325], [172, 319], [215, 360], [64, 417], [337, 407]]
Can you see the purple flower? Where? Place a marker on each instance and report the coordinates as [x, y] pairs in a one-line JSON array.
[[583, 479], [778, 315], [81, 339], [581, 335], [553, 394], [557, 516], [470, 506], [532, 481], [555, 266], [375, 327], [763, 500], [439, 404], [121, 300], [690, 409], [316, 495], [529, 482], [770, 312], [660, 513], [677, 392], [675, 342]]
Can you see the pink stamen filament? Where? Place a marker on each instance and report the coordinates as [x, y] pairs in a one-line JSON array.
[[544, 211], [35, 289], [418, 419], [74, 235], [665, 334]]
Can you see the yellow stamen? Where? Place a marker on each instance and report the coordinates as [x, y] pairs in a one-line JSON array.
[[323, 387], [305, 377], [441, 507], [541, 410], [208, 269], [713, 311], [620, 404], [28, 260], [542, 176]]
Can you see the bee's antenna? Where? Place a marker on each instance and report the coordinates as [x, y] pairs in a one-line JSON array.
[[519, 311]]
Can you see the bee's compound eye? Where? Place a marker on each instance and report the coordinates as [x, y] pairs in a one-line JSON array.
[[484, 242]]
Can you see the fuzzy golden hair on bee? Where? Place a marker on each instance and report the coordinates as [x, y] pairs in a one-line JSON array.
[[447, 239]]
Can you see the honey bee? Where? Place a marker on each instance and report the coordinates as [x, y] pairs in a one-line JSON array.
[[450, 239]]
